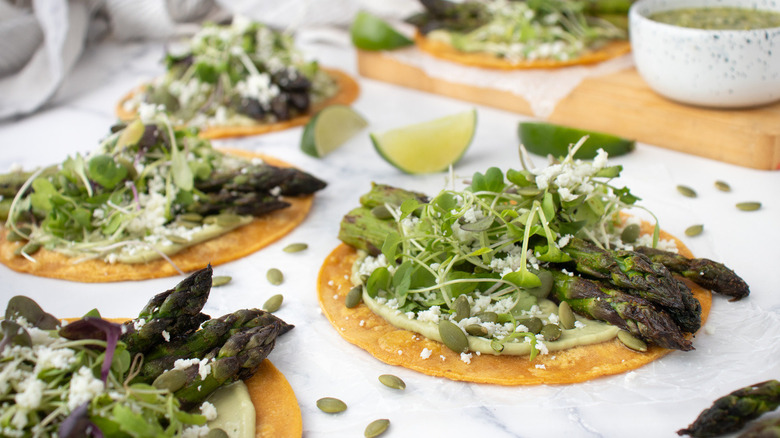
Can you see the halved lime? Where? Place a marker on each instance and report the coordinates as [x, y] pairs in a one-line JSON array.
[[370, 32], [329, 129], [429, 146], [545, 138]]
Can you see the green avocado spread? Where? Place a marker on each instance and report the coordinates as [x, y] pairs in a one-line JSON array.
[[720, 18]]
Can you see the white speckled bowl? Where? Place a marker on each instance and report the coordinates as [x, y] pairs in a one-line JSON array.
[[714, 68]]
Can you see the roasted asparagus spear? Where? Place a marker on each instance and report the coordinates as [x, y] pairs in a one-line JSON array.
[[598, 301], [730, 412], [704, 272]]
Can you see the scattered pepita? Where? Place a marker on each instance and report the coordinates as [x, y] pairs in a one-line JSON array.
[[295, 247], [686, 191], [376, 428], [217, 433], [461, 307], [453, 337], [488, 317], [533, 324], [392, 381], [630, 233], [190, 217], [566, 316], [631, 342], [29, 248], [228, 219], [331, 405], [354, 297], [172, 380], [381, 212], [274, 303], [749, 206], [220, 280], [476, 330], [694, 230], [550, 332], [722, 186], [177, 239], [274, 276]]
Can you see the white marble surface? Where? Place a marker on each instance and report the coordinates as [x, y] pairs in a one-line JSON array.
[[739, 346]]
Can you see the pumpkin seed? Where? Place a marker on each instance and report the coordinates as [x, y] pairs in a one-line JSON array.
[[228, 220], [295, 247], [331, 405], [177, 239], [630, 233], [210, 220], [533, 324], [551, 332], [376, 428], [694, 230], [273, 304], [476, 330], [274, 276], [566, 316], [488, 317], [686, 191], [631, 342], [496, 346], [217, 433], [29, 248], [461, 307], [354, 297], [749, 206], [220, 280], [187, 224], [190, 217], [453, 337], [722, 186], [392, 381], [381, 212], [171, 380]]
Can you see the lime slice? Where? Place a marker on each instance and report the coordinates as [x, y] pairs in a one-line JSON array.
[[429, 146], [329, 129], [545, 138], [370, 32]]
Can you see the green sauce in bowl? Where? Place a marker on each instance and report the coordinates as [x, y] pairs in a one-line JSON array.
[[719, 18]]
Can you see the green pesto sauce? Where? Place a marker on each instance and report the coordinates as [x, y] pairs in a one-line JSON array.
[[719, 18], [592, 332]]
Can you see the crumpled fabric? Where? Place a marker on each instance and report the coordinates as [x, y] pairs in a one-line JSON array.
[[41, 40]]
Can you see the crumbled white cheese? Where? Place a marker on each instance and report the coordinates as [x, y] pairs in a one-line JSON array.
[[209, 411], [425, 353], [166, 336], [83, 388], [466, 358], [31, 393]]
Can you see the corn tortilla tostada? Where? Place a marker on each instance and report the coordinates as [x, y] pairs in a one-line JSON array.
[[501, 34], [104, 218], [237, 80], [369, 331], [520, 278]]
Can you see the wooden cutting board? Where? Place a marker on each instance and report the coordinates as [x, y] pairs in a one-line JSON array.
[[622, 104]]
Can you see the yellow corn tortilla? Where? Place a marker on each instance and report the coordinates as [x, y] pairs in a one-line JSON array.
[[230, 246], [443, 50], [394, 346], [348, 92]]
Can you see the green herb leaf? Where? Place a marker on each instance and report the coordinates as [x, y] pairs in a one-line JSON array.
[[378, 280], [390, 247], [182, 174], [408, 207], [522, 278], [105, 171]]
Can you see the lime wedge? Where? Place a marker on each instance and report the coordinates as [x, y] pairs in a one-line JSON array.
[[545, 138], [429, 146], [370, 32], [329, 129]]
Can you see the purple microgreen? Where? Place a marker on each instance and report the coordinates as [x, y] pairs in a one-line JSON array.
[[14, 334], [96, 328], [78, 424], [30, 311], [135, 195]]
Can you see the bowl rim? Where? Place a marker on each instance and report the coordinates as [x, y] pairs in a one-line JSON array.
[[637, 13]]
